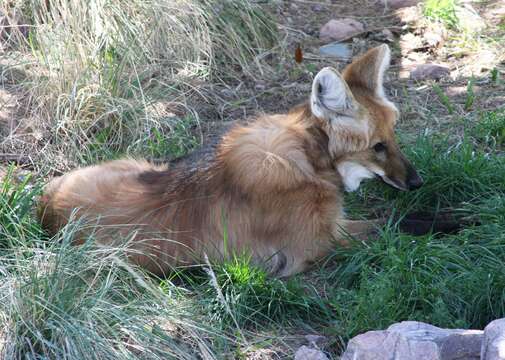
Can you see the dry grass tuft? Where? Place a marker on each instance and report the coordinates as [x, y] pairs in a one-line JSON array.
[[91, 71]]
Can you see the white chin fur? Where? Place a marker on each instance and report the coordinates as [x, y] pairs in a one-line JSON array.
[[352, 174]]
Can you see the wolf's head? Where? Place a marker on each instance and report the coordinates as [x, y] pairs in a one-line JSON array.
[[359, 121]]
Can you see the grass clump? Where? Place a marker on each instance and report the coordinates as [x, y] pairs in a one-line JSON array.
[[58, 300], [84, 303], [443, 11], [87, 302], [182, 141], [112, 72], [490, 130], [443, 98], [16, 204], [456, 281], [242, 294]]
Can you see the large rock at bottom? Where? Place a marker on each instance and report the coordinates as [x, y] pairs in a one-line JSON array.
[[337, 30], [493, 345], [412, 340]]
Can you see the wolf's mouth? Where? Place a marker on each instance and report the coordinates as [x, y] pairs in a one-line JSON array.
[[393, 183]]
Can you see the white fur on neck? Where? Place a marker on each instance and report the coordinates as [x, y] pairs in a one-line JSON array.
[[352, 174]]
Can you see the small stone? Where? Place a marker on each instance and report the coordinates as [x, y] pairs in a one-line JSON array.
[[493, 345], [388, 35], [337, 30], [385, 35], [317, 8], [261, 354], [336, 49], [398, 4], [306, 353], [315, 339], [429, 72]]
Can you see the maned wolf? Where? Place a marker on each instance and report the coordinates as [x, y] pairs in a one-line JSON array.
[[273, 189]]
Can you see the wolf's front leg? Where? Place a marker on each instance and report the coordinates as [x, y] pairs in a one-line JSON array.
[[357, 229]]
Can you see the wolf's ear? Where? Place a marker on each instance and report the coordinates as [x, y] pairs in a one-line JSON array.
[[331, 95], [368, 71]]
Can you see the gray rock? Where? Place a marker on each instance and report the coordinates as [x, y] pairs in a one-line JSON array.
[[316, 340], [385, 35], [306, 353], [429, 71], [412, 340], [336, 49], [493, 345], [398, 4], [342, 29]]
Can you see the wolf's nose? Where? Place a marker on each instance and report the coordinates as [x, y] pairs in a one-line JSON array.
[[414, 182]]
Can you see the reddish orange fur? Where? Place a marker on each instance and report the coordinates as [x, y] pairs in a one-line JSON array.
[[272, 190]]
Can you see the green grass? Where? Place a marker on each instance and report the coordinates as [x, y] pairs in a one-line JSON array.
[[495, 76], [242, 293], [180, 140], [168, 138], [451, 282], [16, 204], [85, 303], [490, 129], [443, 98], [470, 95], [441, 10]]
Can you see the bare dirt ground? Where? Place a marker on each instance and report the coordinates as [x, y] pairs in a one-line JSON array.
[[411, 44]]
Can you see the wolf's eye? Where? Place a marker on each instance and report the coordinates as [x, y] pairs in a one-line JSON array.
[[379, 147]]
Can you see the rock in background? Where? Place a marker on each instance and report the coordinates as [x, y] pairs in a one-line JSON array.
[[342, 29], [429, 72]]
